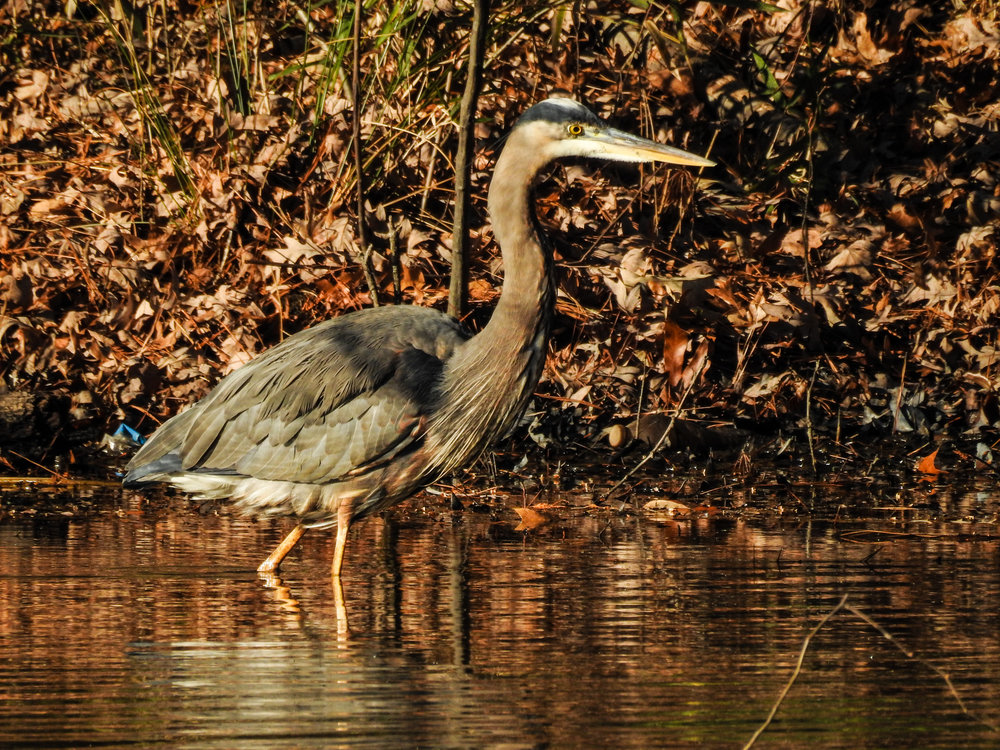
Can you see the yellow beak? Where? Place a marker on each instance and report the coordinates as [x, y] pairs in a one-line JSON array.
[[622, 146]]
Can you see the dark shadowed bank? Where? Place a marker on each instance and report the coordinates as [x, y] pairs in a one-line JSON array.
[[176, 196]]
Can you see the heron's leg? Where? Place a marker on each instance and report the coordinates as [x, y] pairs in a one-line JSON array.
[[274, 559], [343, 628], [344, 512]]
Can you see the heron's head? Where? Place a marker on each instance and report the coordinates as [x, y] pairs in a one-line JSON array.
[[560, 127]]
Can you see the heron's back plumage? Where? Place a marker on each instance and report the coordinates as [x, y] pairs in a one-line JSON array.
[[328, 405]]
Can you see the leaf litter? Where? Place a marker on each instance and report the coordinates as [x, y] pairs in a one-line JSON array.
[[833, 283]]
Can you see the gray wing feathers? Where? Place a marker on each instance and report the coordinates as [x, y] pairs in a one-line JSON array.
[[333, 401]]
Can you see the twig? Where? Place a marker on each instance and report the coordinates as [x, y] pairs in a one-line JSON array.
[[294, 266], [809, 425], [842, 604], [58, 479], [795, 673], [666, 433], [55, 474], [370, 279], [910, 655], [899, 396], [397, 282]]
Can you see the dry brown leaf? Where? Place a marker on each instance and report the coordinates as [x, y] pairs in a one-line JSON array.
[[663, 505], [696, 365], [926, 464], [530, 519], [675, 344], [968, 33], [867, 47], [33, 87], [855, 258], [791, 243], [11, 199], [44, 208], [934, 291]]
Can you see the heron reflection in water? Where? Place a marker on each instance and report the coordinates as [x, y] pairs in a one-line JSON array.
[[355, 414]]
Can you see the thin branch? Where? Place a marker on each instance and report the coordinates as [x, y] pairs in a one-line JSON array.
[[666, 433], [910, 655], [795, 673], [810, 437], [842, 604], [56, 475]]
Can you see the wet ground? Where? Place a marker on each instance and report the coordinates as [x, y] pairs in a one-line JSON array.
[[128, 622]]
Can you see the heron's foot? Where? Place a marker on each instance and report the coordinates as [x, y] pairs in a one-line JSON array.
[[270, 565]]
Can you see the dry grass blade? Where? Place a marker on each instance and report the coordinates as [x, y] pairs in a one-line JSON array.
[[147, 103]]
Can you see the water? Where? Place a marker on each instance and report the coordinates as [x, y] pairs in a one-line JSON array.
[[133, 624]]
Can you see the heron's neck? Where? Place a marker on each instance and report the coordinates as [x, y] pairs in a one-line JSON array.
[[490, 378], [511, 348], [524, 310]]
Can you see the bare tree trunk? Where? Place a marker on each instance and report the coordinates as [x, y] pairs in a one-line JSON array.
[[356, 95], [463, 160]]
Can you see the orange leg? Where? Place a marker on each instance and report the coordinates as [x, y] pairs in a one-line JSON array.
[[274, 559], [343, 628], [343, 524]]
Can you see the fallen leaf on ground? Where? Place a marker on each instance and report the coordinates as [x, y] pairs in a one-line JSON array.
[[926, 464], [530, 519], [663, 505]]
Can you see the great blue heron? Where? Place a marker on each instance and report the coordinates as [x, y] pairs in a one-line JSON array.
[[355, 414]]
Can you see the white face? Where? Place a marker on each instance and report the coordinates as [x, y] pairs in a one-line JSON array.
[[583, 140]]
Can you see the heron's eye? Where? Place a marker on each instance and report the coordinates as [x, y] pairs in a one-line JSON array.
[[575, 129]]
